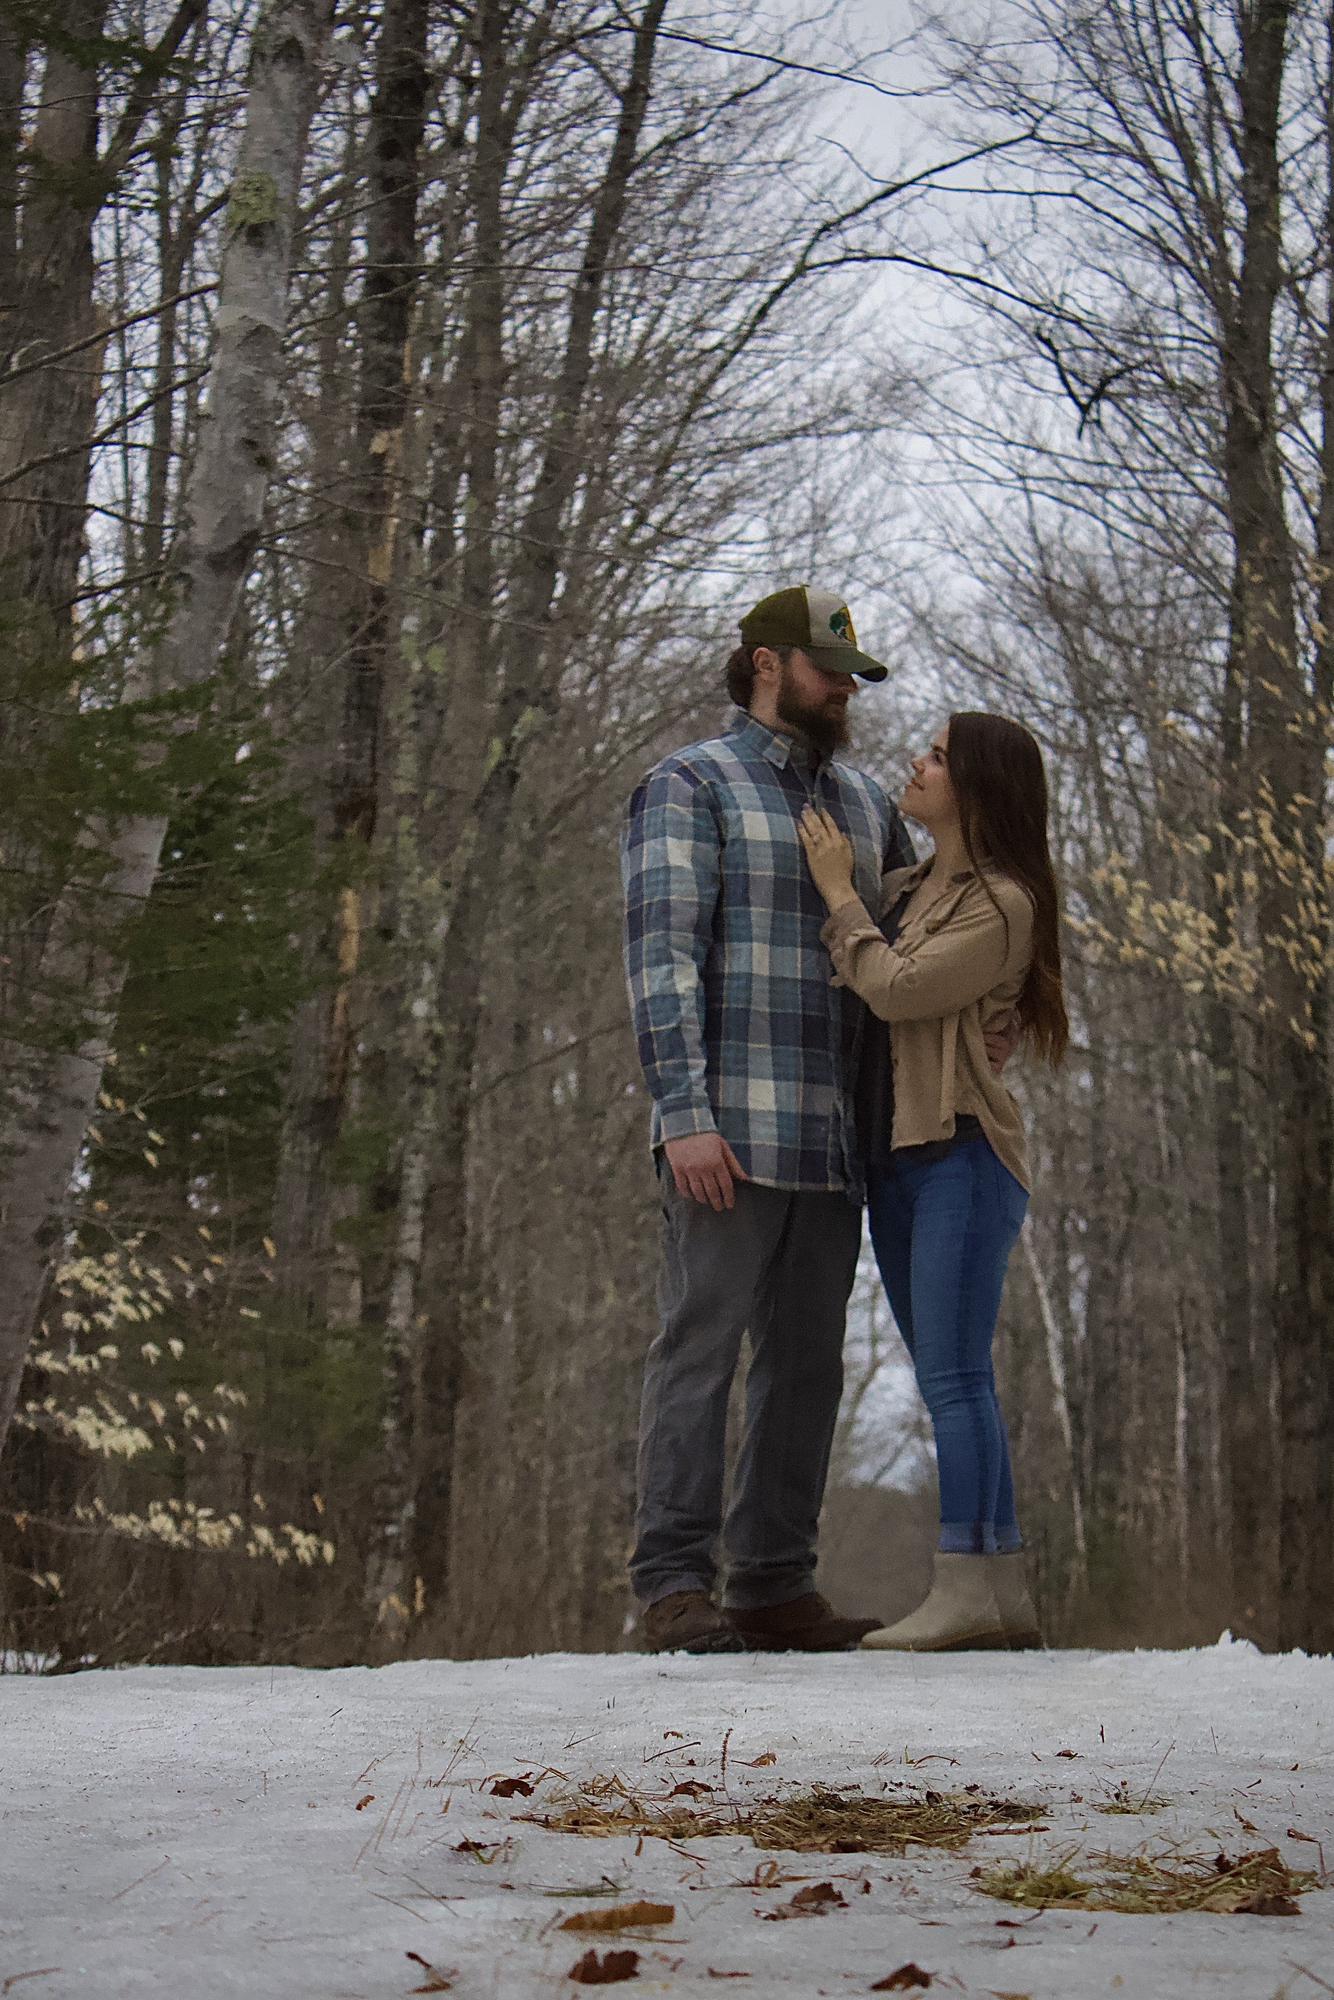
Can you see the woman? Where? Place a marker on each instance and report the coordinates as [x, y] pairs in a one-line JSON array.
[[968, 937]]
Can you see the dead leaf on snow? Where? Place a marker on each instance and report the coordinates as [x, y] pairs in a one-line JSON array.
[[513, 1788], [435, 1980], [625, 1917], [816, 1900], [369, 1800], [821, 1895], [758, 1763], [590, 1970], [909, 1978]]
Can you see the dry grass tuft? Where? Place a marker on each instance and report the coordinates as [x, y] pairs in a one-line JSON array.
[[1259, 1884], [1124, 1801], [607, 1806], [815, 1822], [823, 1822]]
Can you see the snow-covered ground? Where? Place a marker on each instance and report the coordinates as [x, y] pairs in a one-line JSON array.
[[290, 1835]]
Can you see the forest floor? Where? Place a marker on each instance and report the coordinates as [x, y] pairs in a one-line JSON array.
[[291, 1835]]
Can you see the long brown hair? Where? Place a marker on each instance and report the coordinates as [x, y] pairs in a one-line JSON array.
[[1000, 782]]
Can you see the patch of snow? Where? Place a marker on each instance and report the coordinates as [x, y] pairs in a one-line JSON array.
[[288, 1835]]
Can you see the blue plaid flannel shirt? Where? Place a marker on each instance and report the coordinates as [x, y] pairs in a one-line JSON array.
[[739, 1029]]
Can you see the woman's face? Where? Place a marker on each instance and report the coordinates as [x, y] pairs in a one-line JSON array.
[[928, 797]]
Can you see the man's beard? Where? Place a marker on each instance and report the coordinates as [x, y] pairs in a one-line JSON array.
[[825, 729]]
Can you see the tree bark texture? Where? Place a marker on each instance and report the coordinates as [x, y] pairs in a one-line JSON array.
[[368, 618], [46, 410], [1286, 754]]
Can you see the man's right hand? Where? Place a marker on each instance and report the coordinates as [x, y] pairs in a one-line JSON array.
[[705, 1169]]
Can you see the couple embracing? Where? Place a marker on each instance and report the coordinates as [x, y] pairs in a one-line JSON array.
[[822, 1020]]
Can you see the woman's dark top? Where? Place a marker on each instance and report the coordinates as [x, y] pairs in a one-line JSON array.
[[873, 1097]]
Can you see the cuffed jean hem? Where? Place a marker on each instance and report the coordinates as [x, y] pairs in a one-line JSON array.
[[977, 1538]]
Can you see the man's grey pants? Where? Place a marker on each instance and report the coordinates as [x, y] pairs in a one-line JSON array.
[[781, 1264]]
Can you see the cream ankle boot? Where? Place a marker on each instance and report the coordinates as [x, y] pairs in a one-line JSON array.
[[1009, 1583], [959, 1613]]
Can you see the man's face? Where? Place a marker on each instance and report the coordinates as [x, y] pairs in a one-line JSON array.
[[815, 702]]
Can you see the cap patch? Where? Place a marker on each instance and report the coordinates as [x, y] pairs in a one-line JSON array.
[[841, 626]]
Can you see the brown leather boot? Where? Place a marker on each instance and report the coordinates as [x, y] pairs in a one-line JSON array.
[[806, 1624], [688, 1621]]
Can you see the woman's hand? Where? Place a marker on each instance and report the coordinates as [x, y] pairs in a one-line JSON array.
[[829, 853]]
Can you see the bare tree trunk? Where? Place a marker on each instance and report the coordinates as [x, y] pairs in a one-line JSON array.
[[1287, 756], [51, 360], [1318, 1216], [1055, 1352], [369, 614], [85, 959], [300, 1223], [177, 233], [13, 70], [46, 412], [1247, 1440], [525, 694]]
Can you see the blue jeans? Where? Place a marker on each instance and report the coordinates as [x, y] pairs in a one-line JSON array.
[[942, 1231]]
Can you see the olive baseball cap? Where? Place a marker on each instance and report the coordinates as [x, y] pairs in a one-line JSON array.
[[817, 621]]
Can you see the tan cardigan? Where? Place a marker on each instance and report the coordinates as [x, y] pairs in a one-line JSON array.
[[953, 968]]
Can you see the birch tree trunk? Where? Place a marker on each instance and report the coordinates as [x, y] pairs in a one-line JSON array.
[[84, 963], [1054, 1349]]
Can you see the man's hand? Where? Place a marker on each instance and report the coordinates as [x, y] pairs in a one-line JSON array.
[[1002, 1039], [705, 1168], [829, 853]]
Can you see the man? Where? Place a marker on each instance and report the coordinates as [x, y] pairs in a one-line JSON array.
[[750, 1055]]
